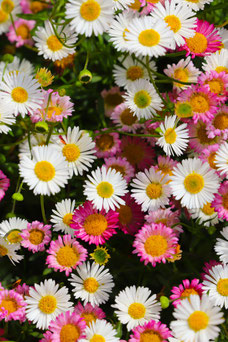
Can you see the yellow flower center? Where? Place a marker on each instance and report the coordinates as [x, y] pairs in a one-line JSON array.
[[3, 16], [142, 99], [14, 236], [89, 317], [194, 183], [90, 10], [125, 214], [208, 209], [149, 38], [105, 190], [91, 285], [198, 43], [69, 333], [97, 338], [3, 251], [67, 219], [54, 44], [216, 86], [105, 142], [19, 95], [150, 336], [36, 236], [198, 320], [9, 304], [37, 6], [211, 160], [67, 256], [156, 245], [23, 31], [222, 287], [118, 168], [134, 153], [188, 292], [181, 75], [170, 136], [44, 170], [95, 224], [136, 5], [154, 190], [173, 22], [200, 103], [137, 310], [221, 68], [221, 121], [134, 73], [127, 117], [54, 110], [7, 6], [48, 304], [71, 152]]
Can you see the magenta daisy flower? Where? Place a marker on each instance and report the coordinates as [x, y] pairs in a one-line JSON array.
[[112, 98], [12, 306], [65, 254], [47, 337], [22, 289], [36, 236], [208, 155], [92, 225], [150, 331], [205, 41], [88, 312], [107, 144], [167, 217], [67, 327], [207, 267], [217, 83], [4, 184], [155, 243], [193, 287], [131, 217], [220, 202], [124, 117], [20, 32], [219, 125], [120, 165]]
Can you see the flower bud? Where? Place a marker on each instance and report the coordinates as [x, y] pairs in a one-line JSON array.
[[17, 196], [164, 302], [8, 58], [41, 127]]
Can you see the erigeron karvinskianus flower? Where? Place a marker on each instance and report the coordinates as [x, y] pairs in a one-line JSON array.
[[10, 250], [61, 217], [221, 246], [10, 229], [100, 330]]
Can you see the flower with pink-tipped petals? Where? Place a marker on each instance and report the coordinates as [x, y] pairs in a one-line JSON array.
[[220, 202], [4, 184], [120, 165], [89, 312], [150, 330], [12, 306], [22, 34], [36, 236], [107, 144], [193, 287]]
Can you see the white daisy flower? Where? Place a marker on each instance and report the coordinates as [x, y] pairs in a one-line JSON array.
[[8, 7], [224, 35], [174, 139], [221, 246], [36, 139], [142, 99], [196, 320], [151, 189], [46, 301], [195, 5], [217, 61], [180, 18], [20, 93], [221, 159], [49, 45], [11, 229], [147, 37], [90, 16], [93, 284], [135, 306], [46, 173], [100, 330], [105, 188], [17, 66], [121, 4], [6, 119], [62, 216], [205, 215], [215, 285], [8, 249], [77, 148], [194, 183], [131, 71]]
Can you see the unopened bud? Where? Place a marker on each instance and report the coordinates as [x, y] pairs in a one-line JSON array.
[[8, 58], [10, 215], [164, 302], [17, 196], [62, 92]]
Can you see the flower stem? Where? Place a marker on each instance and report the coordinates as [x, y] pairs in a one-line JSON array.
[[43, 208]]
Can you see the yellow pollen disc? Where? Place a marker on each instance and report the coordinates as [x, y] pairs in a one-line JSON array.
[[222, 287], [67, 219], [188, 292], [53, 43], [208, 209], [7, 6], [194, 183], [14, 236], [105, 142], [37, 6], [36, 236], [198, 43], [91, 285], [149, 38], [134, 73], [156, 245], [216, 86], [105, 190], [154, 190], [44, 170], [89, 317], [200, 103], [137, 310], [127, 117], [221, 121], [95, 224], [181, 75], [3, 251], [47, 304], [211, 160], [153, 1], [90, 10], [173, 22], [69, 333], [67, 256], [19, 95], [23, 31], [3, 16], [150, 336], [225, 201], [136, 5], [221, 68], [118, 168], [113, 100], [198, 320], [170, 136], [54, 110], [9, 304], [134, 153], [97, 338], [71, 152], [142, 99], [125, 214]]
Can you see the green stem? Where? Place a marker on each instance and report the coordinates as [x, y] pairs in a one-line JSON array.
[[43, 209], [12, 21], [49, 134], [152, 80]]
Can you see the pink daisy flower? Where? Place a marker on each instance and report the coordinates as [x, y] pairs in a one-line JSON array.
[[167, 217], [107, 144], [112, 98], [205, 41], [30, 6], [22, 289], [65, 254], [217, 83], [120, 165], [4, 184], [220, 202], [207, 267], [36, 236], [88, 312], [193, 287], [155, 243], [22, 35], [131, 217], [166, 165], [67, 327], [47, 337], [12, 306], [92, 225], [208, 155], [219, 125], [124, 117], [150, 331], [204, 104]]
